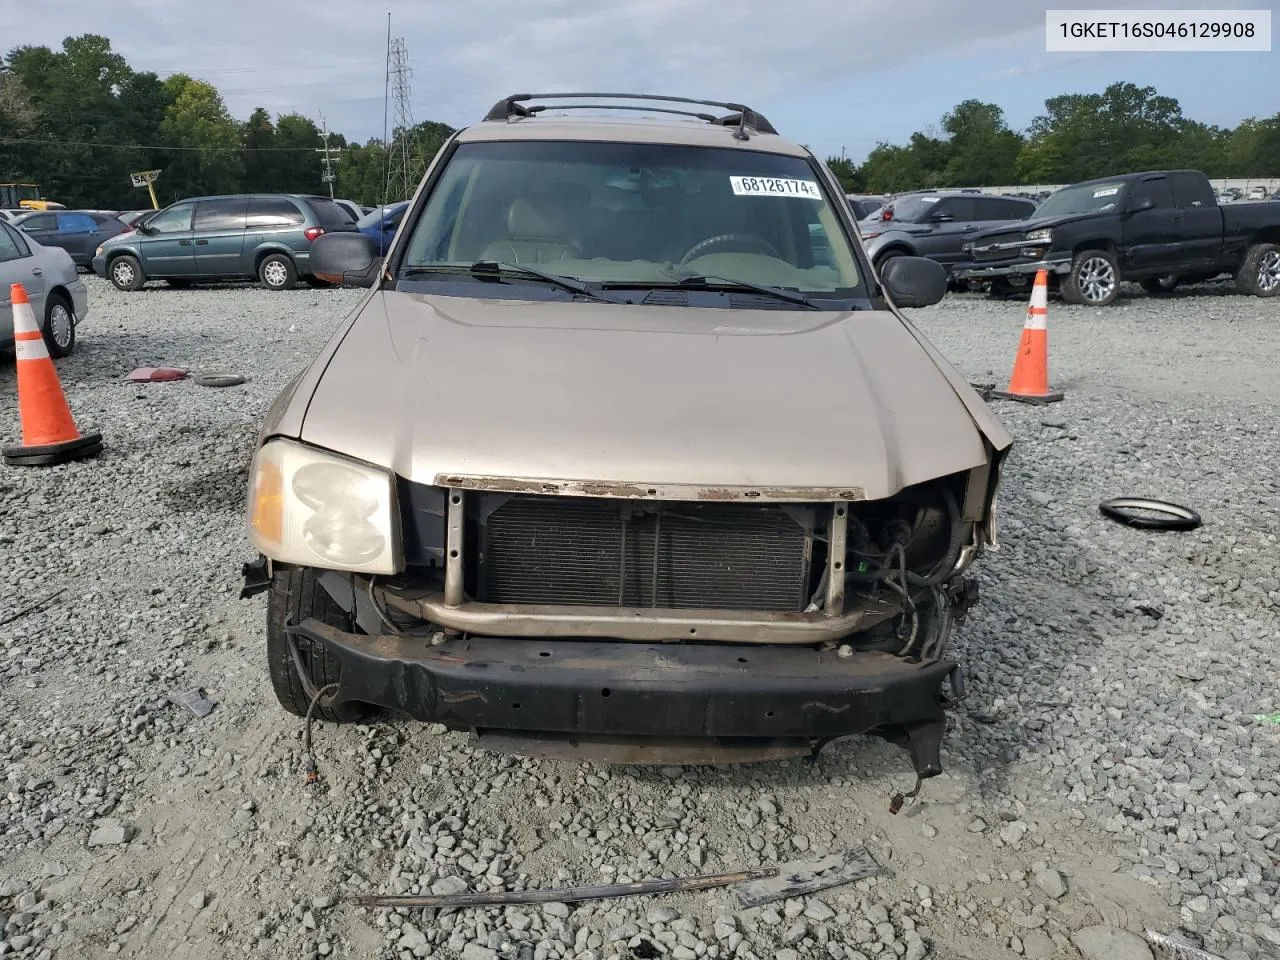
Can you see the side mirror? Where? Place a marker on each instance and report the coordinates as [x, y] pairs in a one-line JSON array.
[[914, 281], [346, 257], [143, 228], [1146, 203]]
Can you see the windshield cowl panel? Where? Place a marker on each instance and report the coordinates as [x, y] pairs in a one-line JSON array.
[[634, 213]]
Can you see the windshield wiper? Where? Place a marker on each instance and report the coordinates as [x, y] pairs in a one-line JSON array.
[[709, 282], [493, 269]]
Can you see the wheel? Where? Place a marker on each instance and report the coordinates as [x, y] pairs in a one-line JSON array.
[[1094, 279], [178, 283], [316, 283], [294, 596], [1259, 273], [1159, 286], [277, 272], [126, 273], [59, 325]]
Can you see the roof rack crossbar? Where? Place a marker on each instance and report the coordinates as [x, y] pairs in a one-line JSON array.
[[513, 106], [710, 118]]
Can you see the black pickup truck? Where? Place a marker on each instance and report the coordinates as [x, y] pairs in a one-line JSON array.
[[1158, 229]]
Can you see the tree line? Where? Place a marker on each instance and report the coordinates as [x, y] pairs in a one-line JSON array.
[[79, 120]]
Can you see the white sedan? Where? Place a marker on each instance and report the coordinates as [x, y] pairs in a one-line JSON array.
[[56, 291]]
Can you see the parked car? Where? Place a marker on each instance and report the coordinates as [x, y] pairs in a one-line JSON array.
[[381, 223], [936, 224], [57, 293], [563, 477], [76, 231], [267, 236], [353, 210], [10, 215], [1159, 229], [131, 218], [864, 207]]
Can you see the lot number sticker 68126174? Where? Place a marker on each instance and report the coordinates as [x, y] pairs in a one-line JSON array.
[[774, 187]]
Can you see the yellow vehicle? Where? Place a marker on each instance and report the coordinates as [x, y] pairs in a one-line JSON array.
[[24, 196]]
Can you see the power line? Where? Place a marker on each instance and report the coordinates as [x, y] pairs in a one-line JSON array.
[[18, 141]]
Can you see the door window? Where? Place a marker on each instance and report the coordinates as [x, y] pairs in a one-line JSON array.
[[1190, 190], [40, 223], [1158, 190], [957, 208], [11, 245], [221, 215], [76, 223], [176, 219]]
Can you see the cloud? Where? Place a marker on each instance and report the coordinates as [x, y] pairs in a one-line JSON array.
[[328, 55]]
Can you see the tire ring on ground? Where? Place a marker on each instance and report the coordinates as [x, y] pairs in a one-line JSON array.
[[217, 379], [1120, 509]]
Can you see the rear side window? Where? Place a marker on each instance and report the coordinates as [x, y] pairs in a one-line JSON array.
[[998, 208], [958, 208], [331, 216], [274, 212], [225, 214], [1190, 190]]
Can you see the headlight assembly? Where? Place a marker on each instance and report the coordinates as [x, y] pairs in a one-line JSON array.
[[1039, 236], [317, 509]]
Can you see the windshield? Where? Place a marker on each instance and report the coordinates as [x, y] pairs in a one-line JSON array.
[[1084, 198], [914, 209], [636, 213]]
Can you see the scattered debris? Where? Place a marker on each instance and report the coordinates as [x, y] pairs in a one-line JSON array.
[[1171, 516], [32, 607], [194, 700], [109, 832], [156, 374], [217, 379], [799, 877], [566, 894], [1271, 719], [1176, 948]]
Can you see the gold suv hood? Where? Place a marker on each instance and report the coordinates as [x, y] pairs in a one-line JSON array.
[[663, 397]]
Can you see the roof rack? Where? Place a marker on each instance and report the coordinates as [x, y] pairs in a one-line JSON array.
[[742, 116]]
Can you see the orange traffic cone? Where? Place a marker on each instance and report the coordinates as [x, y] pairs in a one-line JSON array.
[[49, 434], [1030, 379]]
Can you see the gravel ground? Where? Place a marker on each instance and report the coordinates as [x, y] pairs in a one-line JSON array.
[[1107, 772]]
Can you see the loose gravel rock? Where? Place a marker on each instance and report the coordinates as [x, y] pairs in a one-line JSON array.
[[1106, 772]]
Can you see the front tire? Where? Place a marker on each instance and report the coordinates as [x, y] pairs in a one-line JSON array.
[[59, 325], [296, 595], [277, 272], [126, 273], [1094, 280], [1259, 273]]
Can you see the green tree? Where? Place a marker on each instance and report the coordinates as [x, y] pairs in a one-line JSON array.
[[847, 173], [892, 169], [258, 158], [983, 150], [209, 160]]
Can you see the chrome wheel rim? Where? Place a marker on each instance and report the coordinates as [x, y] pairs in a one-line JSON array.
[[1269, 271], [122, 272], [61, 325], [1096, 279], [275, 274]]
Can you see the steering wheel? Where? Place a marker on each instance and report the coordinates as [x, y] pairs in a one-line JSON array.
[[749, 240]]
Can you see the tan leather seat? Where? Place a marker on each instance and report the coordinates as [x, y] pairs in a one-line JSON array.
[[532, 238]]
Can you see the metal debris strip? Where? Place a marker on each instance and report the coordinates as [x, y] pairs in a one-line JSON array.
[[1176, 948], [800, 877], [194, 701], [565, 894]]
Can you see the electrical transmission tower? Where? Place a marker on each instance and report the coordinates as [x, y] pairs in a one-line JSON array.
[[404, 167]]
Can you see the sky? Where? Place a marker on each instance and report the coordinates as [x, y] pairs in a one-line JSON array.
[[834, 75]]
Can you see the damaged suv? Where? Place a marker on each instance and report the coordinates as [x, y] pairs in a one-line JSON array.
[[626, 455]]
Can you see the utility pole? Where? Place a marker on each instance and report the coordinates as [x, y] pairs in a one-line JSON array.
[[328, 161]]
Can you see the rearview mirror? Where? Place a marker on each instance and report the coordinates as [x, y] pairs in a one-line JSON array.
[[346, 257], [914, 281]]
